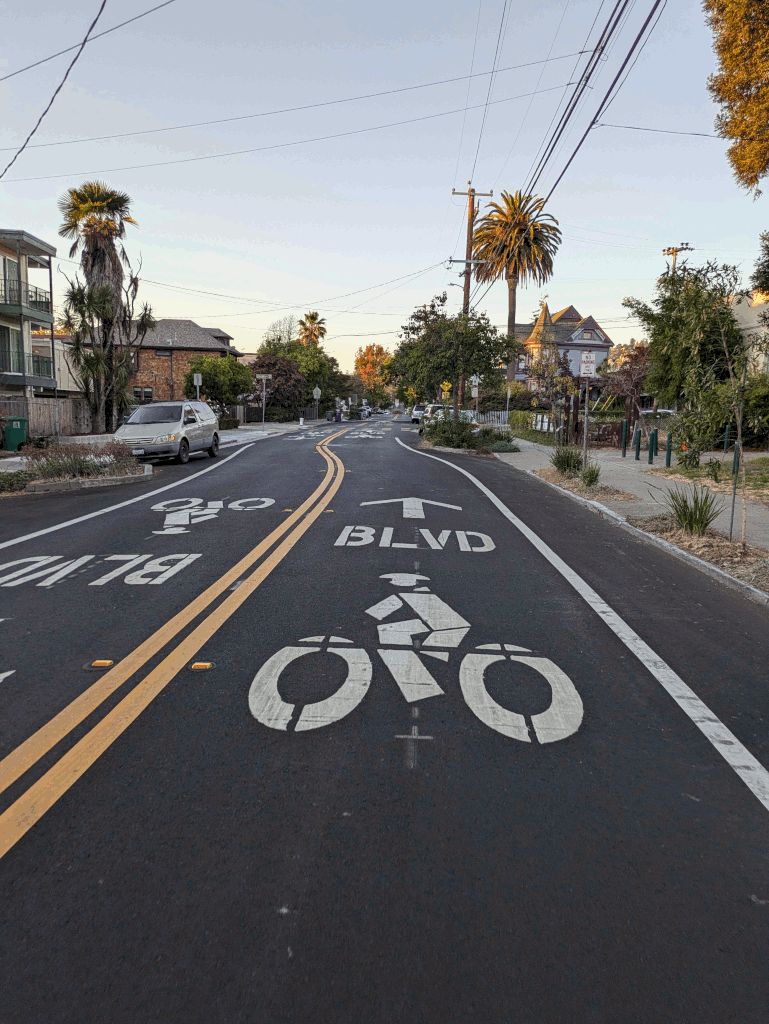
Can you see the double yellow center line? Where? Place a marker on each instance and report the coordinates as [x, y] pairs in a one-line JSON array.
[[44, 793]]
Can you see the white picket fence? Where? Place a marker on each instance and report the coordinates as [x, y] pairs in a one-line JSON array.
[[499, 418]]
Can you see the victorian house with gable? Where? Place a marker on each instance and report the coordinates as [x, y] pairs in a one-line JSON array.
[[568, 331]]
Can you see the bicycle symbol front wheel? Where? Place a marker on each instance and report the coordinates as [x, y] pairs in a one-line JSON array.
[[269, 708]]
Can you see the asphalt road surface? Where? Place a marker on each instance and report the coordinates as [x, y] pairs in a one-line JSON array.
[[477, 755]]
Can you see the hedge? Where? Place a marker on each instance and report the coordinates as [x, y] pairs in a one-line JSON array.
[[228, 423]]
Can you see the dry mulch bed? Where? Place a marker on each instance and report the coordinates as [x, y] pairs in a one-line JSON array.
[[749, 564], [573, 483]]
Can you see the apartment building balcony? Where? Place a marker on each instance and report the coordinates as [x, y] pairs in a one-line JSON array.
[[21, 299], [19, 369]]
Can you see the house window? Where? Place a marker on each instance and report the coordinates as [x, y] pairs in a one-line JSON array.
[[163, 352], [142, 395], [147, 394], [10, 280], [587, 335], [11, 350]]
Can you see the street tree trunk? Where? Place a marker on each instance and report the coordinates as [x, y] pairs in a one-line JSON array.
[[512, 287]]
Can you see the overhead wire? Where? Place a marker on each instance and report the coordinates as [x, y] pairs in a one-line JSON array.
[[56, 92], [106, 32], [497, 53], [292, 110], [274, 146], [609, 95]]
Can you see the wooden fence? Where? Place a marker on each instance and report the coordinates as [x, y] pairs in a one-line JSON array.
[[50, 417]]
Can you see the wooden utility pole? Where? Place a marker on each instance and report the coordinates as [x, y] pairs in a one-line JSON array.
[[472, 213], [673, 250]]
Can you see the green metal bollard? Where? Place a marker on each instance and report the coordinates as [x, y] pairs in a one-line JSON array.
[[736, 459], [624, 438], [651, 447], [726, 439], [637, 444], [656, 441], [668, 450]]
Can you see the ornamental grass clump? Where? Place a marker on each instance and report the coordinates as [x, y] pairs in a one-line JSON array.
[[693, 510], [66, 461], [590, 474], [567, 460]]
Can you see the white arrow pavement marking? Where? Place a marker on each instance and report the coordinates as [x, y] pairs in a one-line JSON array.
[[131, 501], [4, 675], [749, 768], [412, 507]]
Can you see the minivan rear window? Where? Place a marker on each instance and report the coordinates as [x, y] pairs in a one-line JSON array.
[[156, 414]]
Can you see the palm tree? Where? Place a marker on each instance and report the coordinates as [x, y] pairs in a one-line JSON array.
[[312, 329], [517, 240], [95, 218]]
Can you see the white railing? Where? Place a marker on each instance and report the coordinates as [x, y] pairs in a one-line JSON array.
[[499, 418]]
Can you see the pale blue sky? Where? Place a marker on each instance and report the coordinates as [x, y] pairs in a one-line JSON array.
[[296, 228]]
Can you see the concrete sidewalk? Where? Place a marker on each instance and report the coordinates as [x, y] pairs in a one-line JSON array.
[[633, 477]]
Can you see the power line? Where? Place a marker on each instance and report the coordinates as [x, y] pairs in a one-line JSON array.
[[609, 92], [662, 131], [292, 110], [57, 90], [280, 145], [491, 86], [92, 38]]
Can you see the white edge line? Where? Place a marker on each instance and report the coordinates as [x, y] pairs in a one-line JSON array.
[[122, 504], [736, 755]]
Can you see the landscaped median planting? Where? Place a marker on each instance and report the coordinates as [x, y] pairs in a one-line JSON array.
[[75, 465]]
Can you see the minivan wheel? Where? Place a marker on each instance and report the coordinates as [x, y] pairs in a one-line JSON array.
[[184, 451], [213, 451]]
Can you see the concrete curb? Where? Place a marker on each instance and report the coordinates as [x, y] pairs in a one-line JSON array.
[[751, 593], [87, 483]]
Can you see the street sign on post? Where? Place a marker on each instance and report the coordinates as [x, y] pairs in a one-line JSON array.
[[197, 380], [586, 370], [316, 395], [474, 391], [263, 377], [587, 364]]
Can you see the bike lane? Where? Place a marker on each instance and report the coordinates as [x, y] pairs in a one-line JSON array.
[[95, 589], [407, 861]]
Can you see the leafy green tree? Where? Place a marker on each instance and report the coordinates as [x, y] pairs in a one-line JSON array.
[[225, 380], [369, 366], [759, 280], [437, 347], [552, 377], [88, 319], [741, 85], [518, 241], [95, 218], [284, 391], [688, 322]]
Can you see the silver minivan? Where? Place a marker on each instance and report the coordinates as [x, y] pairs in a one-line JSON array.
[[171, 430]]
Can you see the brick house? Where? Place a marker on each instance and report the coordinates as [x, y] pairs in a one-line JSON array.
[[165, 357]]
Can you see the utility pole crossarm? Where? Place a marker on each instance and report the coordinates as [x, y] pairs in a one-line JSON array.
[[673, 250]]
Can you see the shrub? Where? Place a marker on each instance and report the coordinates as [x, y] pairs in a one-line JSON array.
[[16, 480], [695, 511], [64, 461], [502, 446], [520, 419], [452, 434], [228, 423], [590, 474], [713, 470], [567, 459]]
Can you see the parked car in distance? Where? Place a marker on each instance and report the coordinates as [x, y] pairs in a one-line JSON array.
[[171, 430], [417, 412]]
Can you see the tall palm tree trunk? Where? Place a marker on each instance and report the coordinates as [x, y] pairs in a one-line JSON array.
[[512, 288]]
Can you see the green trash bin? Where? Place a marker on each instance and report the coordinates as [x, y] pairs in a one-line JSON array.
[[15, 430]]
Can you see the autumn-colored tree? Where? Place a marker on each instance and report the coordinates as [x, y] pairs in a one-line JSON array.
[[369, 365], [741, 85]]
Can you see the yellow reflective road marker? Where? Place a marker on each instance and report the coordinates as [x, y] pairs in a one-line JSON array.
[[31, 750], [43, 794], [102, 663]]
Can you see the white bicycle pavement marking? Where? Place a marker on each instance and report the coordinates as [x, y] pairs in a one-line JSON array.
[[561, 719], [737, 756], [184, 512], [123, 504]]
